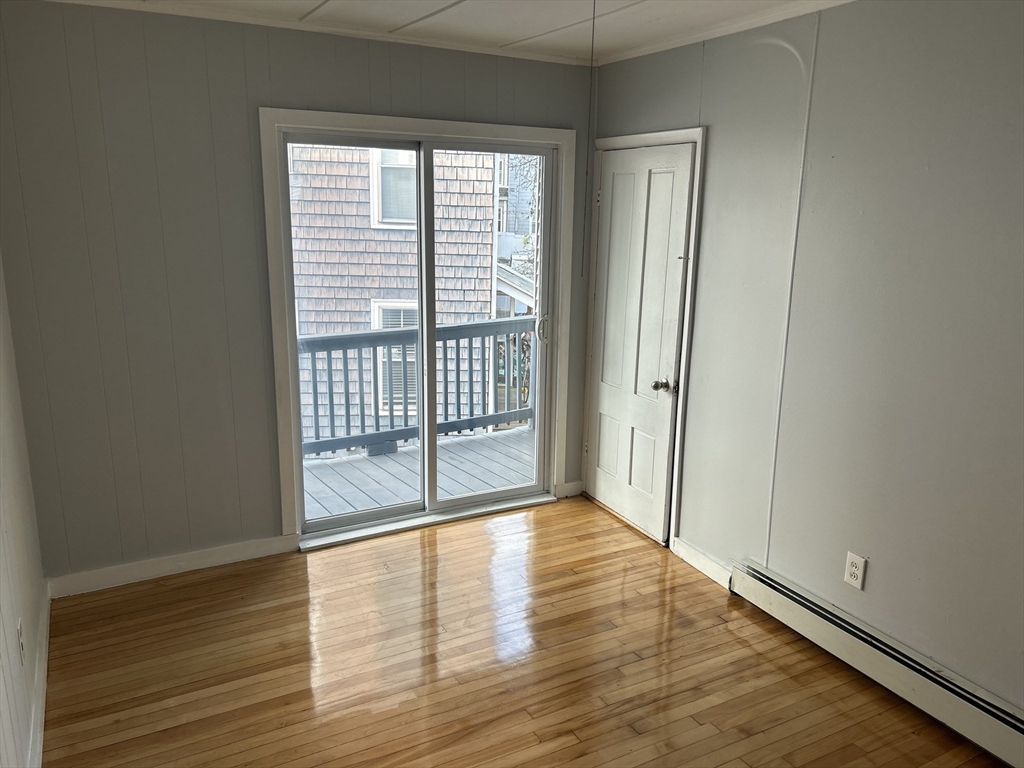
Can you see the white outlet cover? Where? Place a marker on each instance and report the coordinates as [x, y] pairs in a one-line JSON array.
[[855, 570]]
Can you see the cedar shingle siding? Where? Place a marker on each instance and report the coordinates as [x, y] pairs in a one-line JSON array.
[[341, 261]]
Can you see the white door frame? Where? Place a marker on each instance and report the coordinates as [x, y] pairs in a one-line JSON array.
[[275, 126], [697, 136]]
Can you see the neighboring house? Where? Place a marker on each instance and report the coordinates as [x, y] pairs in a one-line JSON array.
[[355, 252]]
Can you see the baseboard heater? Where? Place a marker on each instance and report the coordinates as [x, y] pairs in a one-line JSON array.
[[988, 721]]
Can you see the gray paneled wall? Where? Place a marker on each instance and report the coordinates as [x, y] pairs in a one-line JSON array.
[[902, 431], [901, 416], [751, 90], [131, 223]]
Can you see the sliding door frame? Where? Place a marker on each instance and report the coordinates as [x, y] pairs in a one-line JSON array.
[[278, 127], [539, 366]]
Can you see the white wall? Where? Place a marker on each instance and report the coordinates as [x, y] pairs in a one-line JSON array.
[[135, 248], [901, 420], [22, 589]]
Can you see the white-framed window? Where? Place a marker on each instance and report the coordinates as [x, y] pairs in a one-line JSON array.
[[387, 314], [503, 215], [502, 174], [393, 188]]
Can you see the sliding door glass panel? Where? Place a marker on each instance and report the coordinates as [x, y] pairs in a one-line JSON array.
[[487, 232], [355, 263]]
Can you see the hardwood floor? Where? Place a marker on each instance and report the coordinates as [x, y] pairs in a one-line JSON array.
[[545, 637]]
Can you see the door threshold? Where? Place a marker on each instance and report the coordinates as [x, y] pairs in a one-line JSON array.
[[360, 531]]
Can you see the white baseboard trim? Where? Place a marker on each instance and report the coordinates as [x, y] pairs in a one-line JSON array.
[[710, 567], [126, 573], [562, 490], [38, 717], [985, 719]]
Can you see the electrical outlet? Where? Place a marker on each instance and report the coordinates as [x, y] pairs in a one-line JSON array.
[[21, 643], [855, 568]]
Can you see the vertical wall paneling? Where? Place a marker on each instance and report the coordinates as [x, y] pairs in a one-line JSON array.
[[754, 90], [320, 72], [900, 418], [406, 80], [44, 131], [186, 174], [150, 124], [505, 90], [138, 230], [480, 83], [106, 281], [289, 56], [569, 98], [243, 296], [443, 83], [531, 91], [380, 77], [352, 74], [257, 84], [659, 92], [25, 329], [902, 429]]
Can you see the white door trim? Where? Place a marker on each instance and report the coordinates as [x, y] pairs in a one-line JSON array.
[[275, 124], [697, 136]]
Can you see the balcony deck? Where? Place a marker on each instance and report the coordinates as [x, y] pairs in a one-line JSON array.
[[465, 464]]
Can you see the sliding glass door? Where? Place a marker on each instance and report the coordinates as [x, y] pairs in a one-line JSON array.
[[379, 277], [488, 221]]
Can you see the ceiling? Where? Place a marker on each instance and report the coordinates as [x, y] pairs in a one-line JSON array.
[[550, 30]]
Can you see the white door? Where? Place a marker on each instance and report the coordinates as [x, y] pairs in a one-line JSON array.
[[643, 217]]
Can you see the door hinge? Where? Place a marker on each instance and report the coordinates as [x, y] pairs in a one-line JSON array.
[[599, 197], [586, 448]]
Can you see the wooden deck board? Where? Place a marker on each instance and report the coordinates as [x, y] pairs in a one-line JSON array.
[[465, 464], [542, 637]]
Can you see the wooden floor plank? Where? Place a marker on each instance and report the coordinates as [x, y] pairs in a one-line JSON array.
[[548, 636]]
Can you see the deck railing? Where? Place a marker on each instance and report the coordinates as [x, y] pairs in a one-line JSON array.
[[361, 389]]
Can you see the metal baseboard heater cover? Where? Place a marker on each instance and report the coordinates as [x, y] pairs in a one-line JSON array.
[[988, 721]]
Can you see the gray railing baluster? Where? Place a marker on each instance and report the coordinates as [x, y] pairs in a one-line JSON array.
[[344, 376], [483, 376], [519, 340], [316, 399], [405, 387], [444, 361], [492, 370], [391, 390], [362, 400], [330, 389], [508, 367], [458, 384], [375, 390], [469, 373]]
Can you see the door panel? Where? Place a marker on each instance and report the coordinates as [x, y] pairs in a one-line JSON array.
[[642, 240], [616, 288], [487, 270]]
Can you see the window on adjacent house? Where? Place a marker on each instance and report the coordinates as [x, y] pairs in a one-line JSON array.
[[398, 369], [502, 170], [503, 215], [393, 187]]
